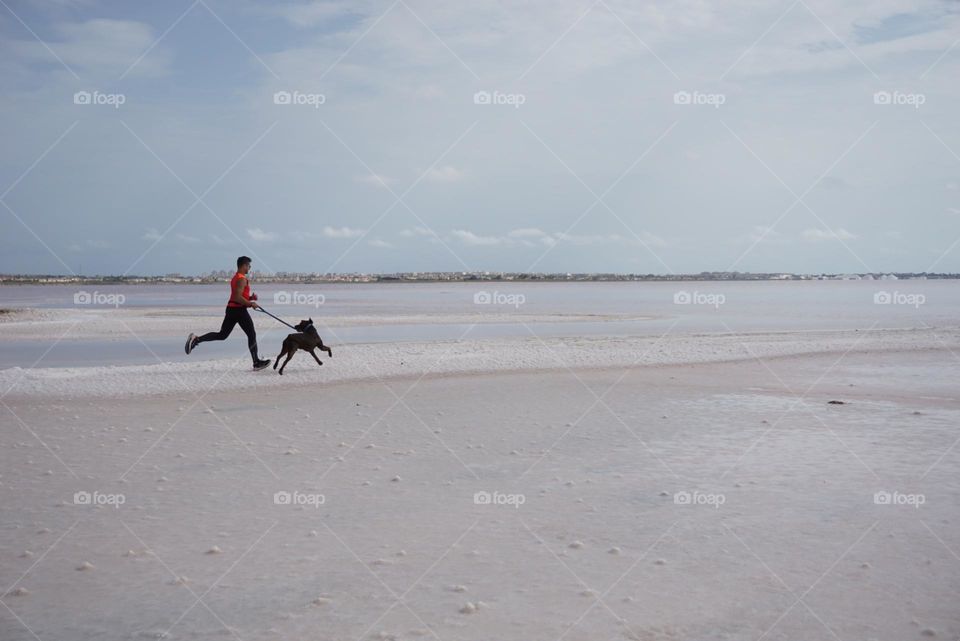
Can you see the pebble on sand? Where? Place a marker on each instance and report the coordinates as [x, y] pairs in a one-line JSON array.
[[214, 550], [576, 545], [86, 565]]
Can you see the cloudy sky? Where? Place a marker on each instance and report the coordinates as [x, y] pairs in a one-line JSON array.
[[541, 135]]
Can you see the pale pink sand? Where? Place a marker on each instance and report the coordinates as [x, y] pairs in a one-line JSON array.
[[598, 548]]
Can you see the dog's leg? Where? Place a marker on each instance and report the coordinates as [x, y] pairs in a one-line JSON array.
[[314, 354], [326, 349], [289, 356]]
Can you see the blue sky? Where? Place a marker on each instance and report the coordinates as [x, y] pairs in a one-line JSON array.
[[656, 137]]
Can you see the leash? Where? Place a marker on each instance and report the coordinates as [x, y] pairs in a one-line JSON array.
[[279, 319]]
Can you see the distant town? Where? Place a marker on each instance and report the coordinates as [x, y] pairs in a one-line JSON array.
[[432, 277]]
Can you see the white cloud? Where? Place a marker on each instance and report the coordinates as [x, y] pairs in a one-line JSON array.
[[191, 240], [417, 231], [312, 13], [522, 237], [261, 236], [530, 236], [839, 233], [474, 240], [643, 238], [527, 232], [342, 232], [445, 174], [382, 244], [152, 234], [100, 47]]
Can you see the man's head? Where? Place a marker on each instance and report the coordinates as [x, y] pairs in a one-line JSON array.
[[243, 264]]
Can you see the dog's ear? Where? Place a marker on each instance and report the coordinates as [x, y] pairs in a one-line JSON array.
[[311, 321]]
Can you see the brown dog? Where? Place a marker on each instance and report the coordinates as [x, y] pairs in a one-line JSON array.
[[306, 339]]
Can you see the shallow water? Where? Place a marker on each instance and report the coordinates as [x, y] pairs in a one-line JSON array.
[[622, 309]]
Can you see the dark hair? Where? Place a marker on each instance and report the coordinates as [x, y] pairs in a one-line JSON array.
[[243, 260]]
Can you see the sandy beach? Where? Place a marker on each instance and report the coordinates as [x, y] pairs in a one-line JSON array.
[[683, 486]]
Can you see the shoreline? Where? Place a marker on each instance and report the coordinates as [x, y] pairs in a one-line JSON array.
[[398, 361]]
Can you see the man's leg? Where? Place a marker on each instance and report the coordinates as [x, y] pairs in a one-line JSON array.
[[246, 324], [229, 321]]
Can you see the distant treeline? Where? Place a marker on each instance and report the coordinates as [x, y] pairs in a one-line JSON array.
[[421, 277]]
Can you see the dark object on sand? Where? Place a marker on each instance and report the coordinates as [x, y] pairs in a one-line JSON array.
[[836, 402], [306, 339]]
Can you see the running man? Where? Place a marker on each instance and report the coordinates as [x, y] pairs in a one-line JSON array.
[[236, 314]]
